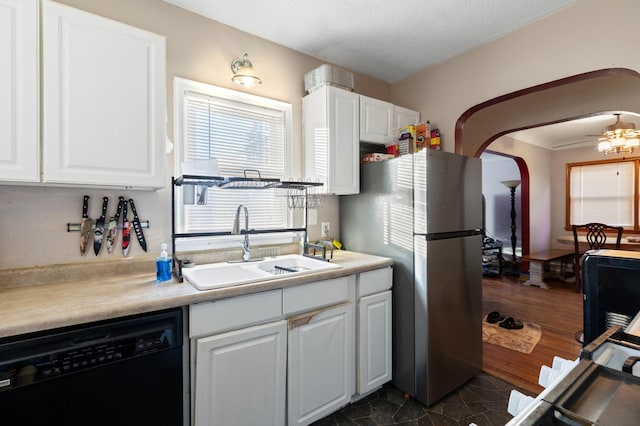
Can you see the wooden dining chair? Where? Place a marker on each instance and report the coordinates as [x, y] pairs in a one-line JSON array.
[[596, 235]]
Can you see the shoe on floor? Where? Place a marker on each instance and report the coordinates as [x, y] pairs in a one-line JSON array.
[[511, 324], [494, 317]]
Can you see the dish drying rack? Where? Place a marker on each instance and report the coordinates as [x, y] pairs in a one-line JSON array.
[[297, 193], [301, 195]]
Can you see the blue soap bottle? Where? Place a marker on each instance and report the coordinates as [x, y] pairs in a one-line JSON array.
[[163, 264]]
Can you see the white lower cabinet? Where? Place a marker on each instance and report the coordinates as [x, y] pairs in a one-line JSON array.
[[240, 377], [290, 356], [374, 341], [374, 330], [320, 363]]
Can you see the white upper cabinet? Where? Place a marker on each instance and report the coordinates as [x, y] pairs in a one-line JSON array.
[[376, 121], [331, 145], [19, 130], [103, 101], [404, 117]]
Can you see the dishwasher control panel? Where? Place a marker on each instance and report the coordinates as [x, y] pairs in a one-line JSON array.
[[35, 358]]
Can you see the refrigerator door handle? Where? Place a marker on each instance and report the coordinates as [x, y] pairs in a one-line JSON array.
[[454, 234]]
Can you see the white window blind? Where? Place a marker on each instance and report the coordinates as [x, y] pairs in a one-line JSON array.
[[602, 193], [240, 135]]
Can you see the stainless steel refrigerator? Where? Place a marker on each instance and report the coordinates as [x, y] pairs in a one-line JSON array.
[[425, 211]]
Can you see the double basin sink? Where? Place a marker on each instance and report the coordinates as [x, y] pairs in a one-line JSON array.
[[227, 274]]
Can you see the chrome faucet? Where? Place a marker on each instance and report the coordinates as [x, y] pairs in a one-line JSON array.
[[246, 254]]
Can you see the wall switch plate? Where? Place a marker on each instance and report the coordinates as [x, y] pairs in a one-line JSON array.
[[325, 230]]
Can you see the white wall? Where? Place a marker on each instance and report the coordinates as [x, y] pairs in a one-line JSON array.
[[495, 169]]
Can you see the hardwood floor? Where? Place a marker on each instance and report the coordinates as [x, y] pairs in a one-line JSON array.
[[558, 310]]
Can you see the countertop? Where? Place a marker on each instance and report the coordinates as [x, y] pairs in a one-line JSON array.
[[62, 295]]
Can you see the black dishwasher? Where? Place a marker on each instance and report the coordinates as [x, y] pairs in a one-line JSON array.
[[118, 372]]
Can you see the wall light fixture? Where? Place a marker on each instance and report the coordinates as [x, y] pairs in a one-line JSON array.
[[244, 74]]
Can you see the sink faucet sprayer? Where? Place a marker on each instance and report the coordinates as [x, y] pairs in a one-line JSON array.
[[246, 254]]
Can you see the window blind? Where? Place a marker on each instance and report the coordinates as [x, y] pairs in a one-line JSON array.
[[602, 193], [241, 136]]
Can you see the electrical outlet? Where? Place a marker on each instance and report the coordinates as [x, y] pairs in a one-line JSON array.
[[325, 230]]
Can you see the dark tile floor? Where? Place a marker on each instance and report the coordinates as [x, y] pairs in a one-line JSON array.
[[482, 401]]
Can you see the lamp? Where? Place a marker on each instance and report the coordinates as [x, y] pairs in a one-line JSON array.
[[244, 73], [512, 185], [619, 137]]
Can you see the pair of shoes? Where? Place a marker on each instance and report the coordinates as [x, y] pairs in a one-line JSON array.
[[511, 324], [494, 317]]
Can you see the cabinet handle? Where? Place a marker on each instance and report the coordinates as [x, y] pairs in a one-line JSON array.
[[304, 319], [301, 320]]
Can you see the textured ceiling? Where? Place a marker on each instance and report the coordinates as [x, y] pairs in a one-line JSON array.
[[386, 39]]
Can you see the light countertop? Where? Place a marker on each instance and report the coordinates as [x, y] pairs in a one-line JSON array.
[[62, 295]]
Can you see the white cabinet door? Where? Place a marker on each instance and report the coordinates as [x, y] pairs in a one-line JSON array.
[[321, 363], [374, 341], [404, 117], [103, 101], [376, 121], [19, 129], [240, 377], [331, 143]]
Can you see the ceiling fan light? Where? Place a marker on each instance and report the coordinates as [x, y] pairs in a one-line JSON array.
[[617, 142], [619, 137], [633, 143]]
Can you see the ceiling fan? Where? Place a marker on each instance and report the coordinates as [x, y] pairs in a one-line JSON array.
[[618, 137]]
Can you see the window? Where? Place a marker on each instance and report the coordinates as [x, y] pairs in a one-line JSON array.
[[603, 192], [246, 134]]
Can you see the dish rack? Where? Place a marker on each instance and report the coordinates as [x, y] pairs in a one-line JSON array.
[[297, 193]]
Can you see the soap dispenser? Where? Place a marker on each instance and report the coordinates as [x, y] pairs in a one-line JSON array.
[[163, 264]]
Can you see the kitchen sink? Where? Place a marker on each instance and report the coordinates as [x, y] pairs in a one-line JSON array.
[[226, 274]]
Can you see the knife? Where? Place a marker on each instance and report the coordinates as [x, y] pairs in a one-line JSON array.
[[125, 229], [98, 232], [112, 227], [85, 227], [137, 226]]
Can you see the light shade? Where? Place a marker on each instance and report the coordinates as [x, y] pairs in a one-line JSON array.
[[619, 137], [244, 74], [511, 183]]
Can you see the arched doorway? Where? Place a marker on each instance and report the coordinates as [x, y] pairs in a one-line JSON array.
[[579, 96]]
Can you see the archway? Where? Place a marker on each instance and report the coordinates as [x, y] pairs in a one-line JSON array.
[[579, 96]]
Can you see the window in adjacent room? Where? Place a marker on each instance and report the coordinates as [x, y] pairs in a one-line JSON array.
[[603, 192], [243, 132]]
